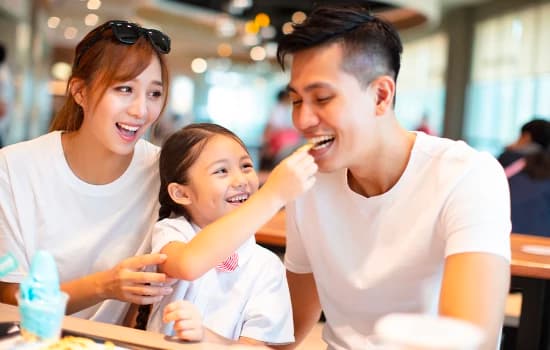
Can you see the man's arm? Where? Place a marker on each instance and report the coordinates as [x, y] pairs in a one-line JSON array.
[[474, 288], [306, 308]]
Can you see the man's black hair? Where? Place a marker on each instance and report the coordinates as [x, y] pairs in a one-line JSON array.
[[371, 46]]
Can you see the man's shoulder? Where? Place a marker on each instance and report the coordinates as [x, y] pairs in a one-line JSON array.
[[447, 151]]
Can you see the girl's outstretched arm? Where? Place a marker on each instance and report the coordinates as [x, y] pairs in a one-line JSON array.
[[292, 177]]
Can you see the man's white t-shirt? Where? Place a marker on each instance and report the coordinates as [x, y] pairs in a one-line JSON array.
[[383, 254], [251, 301], [88, 228]]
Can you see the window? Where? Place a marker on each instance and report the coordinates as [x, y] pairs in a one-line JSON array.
[[510, 81], [421, 82]]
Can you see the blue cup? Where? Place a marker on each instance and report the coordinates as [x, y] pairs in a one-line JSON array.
[[42, 320]]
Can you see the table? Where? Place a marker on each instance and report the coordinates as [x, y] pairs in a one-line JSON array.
[[530, 276], [273, 233], [143, 339]]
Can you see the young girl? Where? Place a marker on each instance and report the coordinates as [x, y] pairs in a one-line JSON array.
[[86, 191], [210, 209]]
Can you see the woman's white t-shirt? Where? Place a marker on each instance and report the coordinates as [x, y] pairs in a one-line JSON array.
[[88, 228]]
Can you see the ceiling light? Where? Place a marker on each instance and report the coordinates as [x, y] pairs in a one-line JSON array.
[[225, 27], [298, 17], [257, 53], [250, 40], [251, 27], [287, 28], [53, 22], [61, 71], [91, 19], [93, 4], [243, 4], [262, 20], [237, 7], [199, 65], [268, 32], [70, 33], [225, 50]]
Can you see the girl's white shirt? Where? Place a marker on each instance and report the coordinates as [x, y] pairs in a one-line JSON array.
[[252, 301]]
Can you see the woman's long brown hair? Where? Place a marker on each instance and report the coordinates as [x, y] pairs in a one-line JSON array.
[[101, 63]]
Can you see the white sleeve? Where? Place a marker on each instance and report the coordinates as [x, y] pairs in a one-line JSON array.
[[11, 237], [170, 230], [296, 259], [268, 312], [476, 217]]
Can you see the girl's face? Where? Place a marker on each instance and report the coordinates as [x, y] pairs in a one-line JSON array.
[[125, 111], [220, 180]]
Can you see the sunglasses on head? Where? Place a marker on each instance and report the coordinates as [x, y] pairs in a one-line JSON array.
[[128, 33]]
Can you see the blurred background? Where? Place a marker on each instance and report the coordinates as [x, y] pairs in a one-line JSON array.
[[472, 69]]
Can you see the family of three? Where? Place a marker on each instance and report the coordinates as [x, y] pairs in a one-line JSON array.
[[379, 219]]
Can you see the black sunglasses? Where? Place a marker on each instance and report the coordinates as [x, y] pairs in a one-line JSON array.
[[128, 33]]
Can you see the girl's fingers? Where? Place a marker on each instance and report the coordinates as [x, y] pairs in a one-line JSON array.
[[181, 310], [304, 148], [190, 335], [186, 325]]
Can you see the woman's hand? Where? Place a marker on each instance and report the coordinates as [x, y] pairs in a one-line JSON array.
[[187, 320], [293, 176], [128, 282]]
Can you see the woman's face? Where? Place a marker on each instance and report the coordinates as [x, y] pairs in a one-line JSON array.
[[125, 111]]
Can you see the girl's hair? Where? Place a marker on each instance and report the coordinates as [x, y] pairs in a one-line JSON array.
[[100, 61], [179, 152]]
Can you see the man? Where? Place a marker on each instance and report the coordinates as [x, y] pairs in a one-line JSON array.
[[534, 137], [397, 221]]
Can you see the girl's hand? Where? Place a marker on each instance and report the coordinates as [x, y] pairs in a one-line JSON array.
[[187, 320], [293, 176], [127, 281]]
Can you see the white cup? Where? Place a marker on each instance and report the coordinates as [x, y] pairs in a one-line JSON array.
[[402, 331]]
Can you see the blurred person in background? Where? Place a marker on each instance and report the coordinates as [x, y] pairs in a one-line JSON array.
[[87, 191], [6, 95], [532, 138], [528, 172], [424, 126], [358, 244]]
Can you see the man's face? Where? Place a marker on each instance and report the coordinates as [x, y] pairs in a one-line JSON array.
[[331, 109]]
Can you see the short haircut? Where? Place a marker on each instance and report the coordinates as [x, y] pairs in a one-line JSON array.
[[371, 46], [539, 129]]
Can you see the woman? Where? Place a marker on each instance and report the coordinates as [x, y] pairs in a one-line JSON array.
[[86, 191], [528, 174]]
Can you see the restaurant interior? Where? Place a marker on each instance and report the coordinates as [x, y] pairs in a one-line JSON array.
[[474, 70]]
